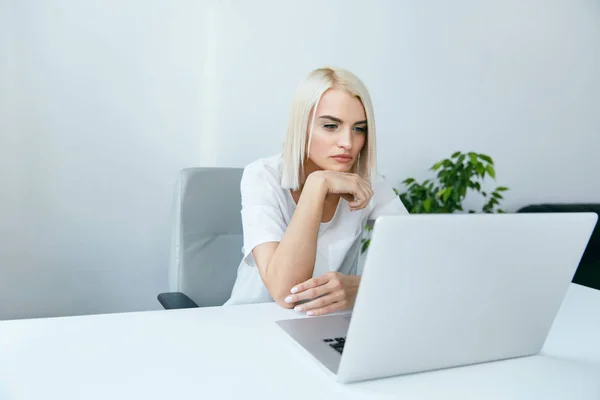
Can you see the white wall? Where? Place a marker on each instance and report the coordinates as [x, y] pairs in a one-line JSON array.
[[101, 103]]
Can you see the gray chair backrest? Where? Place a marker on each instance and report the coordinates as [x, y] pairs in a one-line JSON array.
[[206, 246]]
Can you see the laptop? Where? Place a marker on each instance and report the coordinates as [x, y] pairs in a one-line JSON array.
[[449, 290]]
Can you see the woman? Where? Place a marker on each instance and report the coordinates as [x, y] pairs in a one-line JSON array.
[[304, 211]]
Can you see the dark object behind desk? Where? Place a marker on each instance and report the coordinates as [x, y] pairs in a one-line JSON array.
[[588, 272]]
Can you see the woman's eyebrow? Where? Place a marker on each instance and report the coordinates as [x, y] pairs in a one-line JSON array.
[[339, 121]]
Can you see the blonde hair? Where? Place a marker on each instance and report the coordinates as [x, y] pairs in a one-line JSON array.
[[306, 99]]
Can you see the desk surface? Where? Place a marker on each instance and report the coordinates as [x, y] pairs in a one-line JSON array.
[[238, 352]]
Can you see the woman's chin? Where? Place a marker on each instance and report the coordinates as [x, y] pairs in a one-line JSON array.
[[340, 168], [337, 167]]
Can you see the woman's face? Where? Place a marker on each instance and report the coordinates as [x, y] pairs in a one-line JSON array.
[[339, 132]]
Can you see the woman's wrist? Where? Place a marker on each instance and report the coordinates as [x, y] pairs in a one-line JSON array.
[[316, 182]]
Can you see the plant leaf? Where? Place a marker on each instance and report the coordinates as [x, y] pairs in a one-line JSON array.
[[490, 170], [486, 158], [427, 205], [501, 189], [480, 169], [365, 245], [447, 193], [455, 154]]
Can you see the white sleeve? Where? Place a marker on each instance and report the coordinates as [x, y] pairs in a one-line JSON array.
[[262, 218], [385, 201]]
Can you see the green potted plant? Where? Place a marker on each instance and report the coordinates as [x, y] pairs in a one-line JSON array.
[[456, 176]]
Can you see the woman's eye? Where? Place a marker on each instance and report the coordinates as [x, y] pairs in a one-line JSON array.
[[361, 129], [330, 127]]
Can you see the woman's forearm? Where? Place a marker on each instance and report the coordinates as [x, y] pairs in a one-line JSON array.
[[293, 260]]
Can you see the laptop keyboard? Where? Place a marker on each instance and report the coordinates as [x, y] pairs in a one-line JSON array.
[[336, 343]]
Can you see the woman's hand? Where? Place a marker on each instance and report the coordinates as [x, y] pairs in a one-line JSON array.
[[330, 292], [350, 186]]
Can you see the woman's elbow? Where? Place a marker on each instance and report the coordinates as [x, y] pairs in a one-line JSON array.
[[280, 297], [279, 293], [278, 290]]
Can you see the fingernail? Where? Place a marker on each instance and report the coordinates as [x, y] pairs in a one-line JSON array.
[[310, 313], [298, 309], [289, 299], [294, 290]]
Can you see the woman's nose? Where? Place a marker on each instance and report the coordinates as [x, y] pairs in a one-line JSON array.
[[345, 139]]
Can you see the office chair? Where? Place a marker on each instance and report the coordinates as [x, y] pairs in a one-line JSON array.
[[206, 243], [588, 270]]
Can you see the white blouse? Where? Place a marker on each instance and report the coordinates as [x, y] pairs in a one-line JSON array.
[[267, 209]]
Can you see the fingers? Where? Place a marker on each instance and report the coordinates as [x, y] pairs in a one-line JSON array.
[[312, 282], [309, 289], [352, 187], [337, 306], [322, 305], [363, 193], [348, 197], [327, 293], [367, 192]]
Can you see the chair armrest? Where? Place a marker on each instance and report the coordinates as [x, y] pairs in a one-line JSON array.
[[175, 300]]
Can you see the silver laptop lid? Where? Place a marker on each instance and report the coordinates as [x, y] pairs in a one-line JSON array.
[[446, 290]]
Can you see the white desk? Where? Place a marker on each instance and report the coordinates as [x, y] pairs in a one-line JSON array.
[[238, 352]]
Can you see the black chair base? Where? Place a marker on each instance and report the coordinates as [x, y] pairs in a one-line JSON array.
[[175, 300]]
